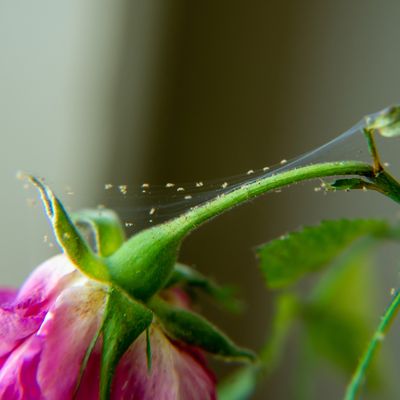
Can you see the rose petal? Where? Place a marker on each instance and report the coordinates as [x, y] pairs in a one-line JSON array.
[[175, 374], [89, 388], [69, 327], [44, 284], [7, 296], [13, 329], [22, 316], [18, 374]]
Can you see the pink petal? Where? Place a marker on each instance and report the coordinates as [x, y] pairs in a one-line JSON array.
[[67, 331], [45, 283], [47, 364], [18, 375], [176, 373], [13, 329], [90, 383], [21, 314], [7, 296]]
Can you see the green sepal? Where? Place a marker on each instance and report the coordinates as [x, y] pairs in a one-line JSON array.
[[124, 320], [68, 236], [85, 360], [224, 295], [195, 330], [149, 353], [144, 263], [285, 260], [106, 228], [386, 123]]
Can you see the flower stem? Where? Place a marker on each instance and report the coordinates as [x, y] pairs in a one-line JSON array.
[[202, 213], [359, 374]]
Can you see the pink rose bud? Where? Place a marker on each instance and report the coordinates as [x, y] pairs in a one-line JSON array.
[[47, 327]]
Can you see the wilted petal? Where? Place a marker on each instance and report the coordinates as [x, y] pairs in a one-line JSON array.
[[48, 362], [44, 284], [18, 374], [67, 331], [13, 329], [7, 296], [22, 313], [176, 373]]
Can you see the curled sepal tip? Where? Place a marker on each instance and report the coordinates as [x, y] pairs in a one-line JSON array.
[[194, 330], [70, 240], [124, 320], [106, 228]]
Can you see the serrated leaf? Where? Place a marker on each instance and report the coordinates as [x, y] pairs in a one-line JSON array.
[[195, 330], [68, 237], [106, 228], [124, 320], [284, 261], [338, 315], [224, 295]]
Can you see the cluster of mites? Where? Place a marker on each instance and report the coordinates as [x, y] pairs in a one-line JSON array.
[[123, 189]]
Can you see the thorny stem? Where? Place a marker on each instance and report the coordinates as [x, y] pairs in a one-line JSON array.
[[359, 374]]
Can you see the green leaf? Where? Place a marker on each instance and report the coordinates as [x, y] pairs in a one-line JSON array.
[[240, 385], [224, 295], [338, 314], [284, 261], [195, 330], [344, 285], [338, 337], [106, 227], [124, 320], [386, 123], [68, 237]]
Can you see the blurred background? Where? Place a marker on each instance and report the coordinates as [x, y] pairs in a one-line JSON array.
[[153, 91]]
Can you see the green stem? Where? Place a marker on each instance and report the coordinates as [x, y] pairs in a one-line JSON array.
[[359, 374], [198, 215]]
